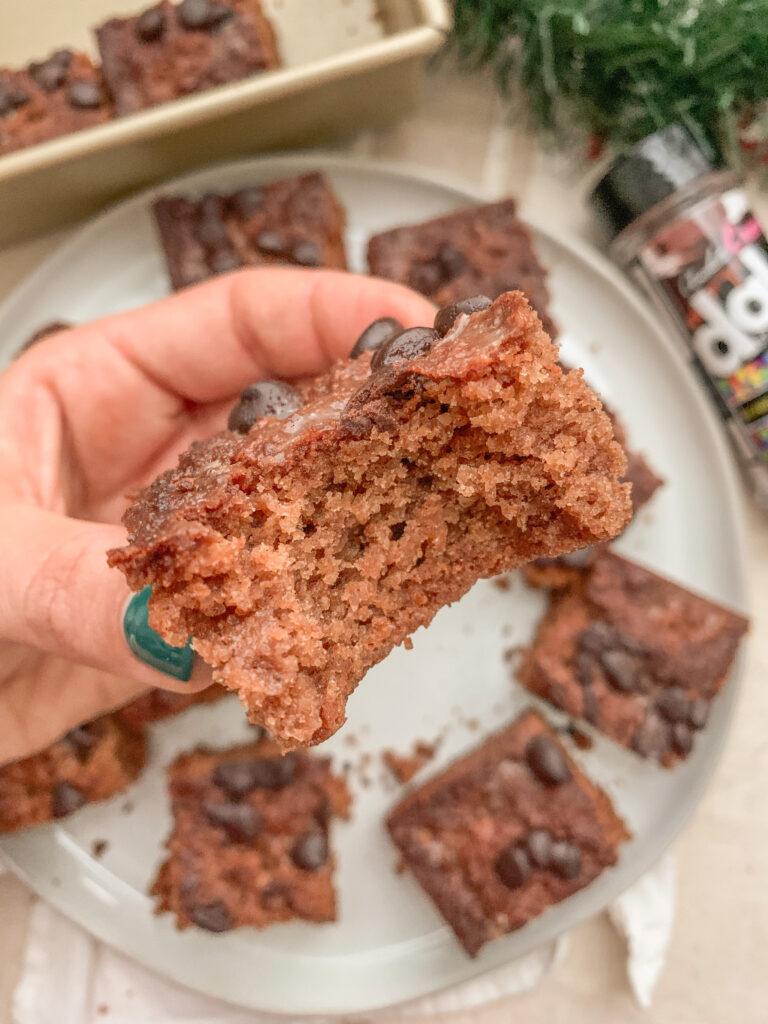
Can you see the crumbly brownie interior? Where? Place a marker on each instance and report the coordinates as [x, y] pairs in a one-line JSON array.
[[299, 555]]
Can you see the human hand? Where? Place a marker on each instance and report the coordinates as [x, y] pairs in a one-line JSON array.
[[89, 416]]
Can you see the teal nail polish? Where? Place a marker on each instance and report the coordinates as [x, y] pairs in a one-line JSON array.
[[149, 646]]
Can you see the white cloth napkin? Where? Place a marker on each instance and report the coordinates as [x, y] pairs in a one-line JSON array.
[[70, 978]]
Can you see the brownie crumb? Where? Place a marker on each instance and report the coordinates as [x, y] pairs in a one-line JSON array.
[[98, 848], [582, 739], [404, 766]]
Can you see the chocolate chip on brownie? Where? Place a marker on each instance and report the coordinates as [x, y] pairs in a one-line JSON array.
[[448, 315], [410, 344], [150, 25], [11, 98], [565, 859], [310, 851], [307, 254], [272, 244], [247, 201], [65, 799], [375, 335], [240, 821], [264, 398], [539, 843], [673, 704], [203, 14], [513, 866], [85, 95], [50, 74], [222, 261], [546, 761], [212, 917]]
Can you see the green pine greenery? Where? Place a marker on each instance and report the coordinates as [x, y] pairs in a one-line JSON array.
[[620, 69]]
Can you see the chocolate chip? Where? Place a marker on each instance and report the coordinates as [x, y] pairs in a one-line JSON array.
[[310, 851], [452, 260], [673, 704], [65, 799], [539, 844], [651, 737], [623, 672], [447, 316], [11, 98], [409, 345], [547, 761], [512, 866], [211, 229], [213, 917], [307, 254], [203, 14], [585, 664], [590, 708], [682, 738], [597, 637], [272, 244], [397, 530], [241, 822], [426, 277], [237, 778], [375, 335], [276, 894], [84, 95], [247, 201], [221, 261], [81, 742], [565, 859], [698, 713], [49, 74], [264, 398], [150, 25]]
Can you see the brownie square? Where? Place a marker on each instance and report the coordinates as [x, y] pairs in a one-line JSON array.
[[337, 516], [506, 832], [484, 250], [296, 221], [54, 97], [90, 763], [158, 704], [250, 840], [638, 656], [171, 50]]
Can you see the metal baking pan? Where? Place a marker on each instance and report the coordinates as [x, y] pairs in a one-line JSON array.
[[348, 64]]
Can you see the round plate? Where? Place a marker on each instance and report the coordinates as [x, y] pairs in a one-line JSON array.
[[389, 944]]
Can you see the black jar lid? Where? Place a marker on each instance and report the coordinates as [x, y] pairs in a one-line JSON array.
[[653, 169]]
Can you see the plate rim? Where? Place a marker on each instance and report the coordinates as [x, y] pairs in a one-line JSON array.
[[581, 251]]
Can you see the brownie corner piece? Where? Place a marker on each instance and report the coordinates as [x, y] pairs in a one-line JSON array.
[[250, 843], [639, 657], [174, 49], [90, 763], [295, 221], [506, 832], [480, 250]]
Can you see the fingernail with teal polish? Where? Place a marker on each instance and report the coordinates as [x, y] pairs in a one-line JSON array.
[[149, 646]]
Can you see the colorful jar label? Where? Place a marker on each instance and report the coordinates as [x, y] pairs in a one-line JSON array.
[[712, 267]]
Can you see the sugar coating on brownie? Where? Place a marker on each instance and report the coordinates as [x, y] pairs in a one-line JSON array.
[[156, 704], [296, 221], [297, 556], [483, 250], [250, 841], [635, 654], [49, 98], [171, 50], [504, 833], [92, 762]]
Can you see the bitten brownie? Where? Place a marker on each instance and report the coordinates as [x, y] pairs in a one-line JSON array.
[[157, 704], [59, 95], [90, 763], [171, 50], [333, 519], [481, 250], [295, 220], [506, 832], [638, 656], [250, 840]]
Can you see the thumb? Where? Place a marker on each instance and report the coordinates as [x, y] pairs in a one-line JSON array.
[[57, 594]]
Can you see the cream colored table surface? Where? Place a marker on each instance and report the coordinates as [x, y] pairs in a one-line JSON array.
[[717, 969]]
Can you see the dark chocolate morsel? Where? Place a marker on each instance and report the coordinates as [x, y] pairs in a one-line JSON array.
[[11, 98], [673, 704], [547, 761], [512, 866], [221, 261], [539, 844], [585, 664], [65, 799], [247, 201], [213, 917], [310, 851], [408, 345], [211, 229], [50, 74], [651, 738], [447, 316], [307, 254], [698, 713], [426, 277], [681, 736], [203, 14], [452, 260], [264, 398], [241, 822], [272, 244], [565, 859], [150, 25], [84, 95], [591, 706], [237, 778], [597, 637], [80, 740], [624, 672], [375, 335]]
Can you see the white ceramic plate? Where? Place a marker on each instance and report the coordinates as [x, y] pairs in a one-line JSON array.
[[389, 944]]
